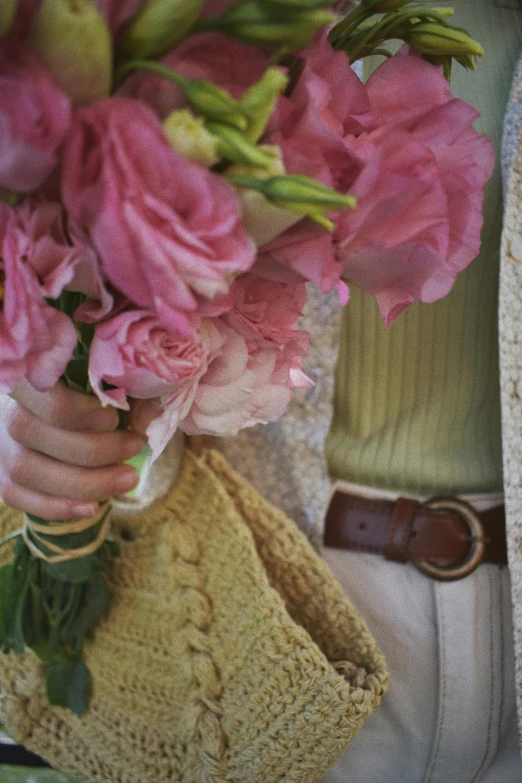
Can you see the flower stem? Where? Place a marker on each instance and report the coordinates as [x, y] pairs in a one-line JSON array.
[[10, 537]]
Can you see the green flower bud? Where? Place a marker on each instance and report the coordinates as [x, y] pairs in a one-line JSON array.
[[383, 6], [13, 199], [300, 5], [204, 97], [299, 194], [7, 15], [256, 23], [262, 219], [72, 40], [158, 26], [236, 147], [433, 38], [189, 137], [211, 101], [467, 61], [259, 101]]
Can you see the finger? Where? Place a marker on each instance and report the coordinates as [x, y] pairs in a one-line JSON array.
[[66, 408], [39, 473], [46, 506], [142, 412], [84, 449]]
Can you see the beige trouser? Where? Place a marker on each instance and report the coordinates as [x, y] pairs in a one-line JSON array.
[[449, 715]]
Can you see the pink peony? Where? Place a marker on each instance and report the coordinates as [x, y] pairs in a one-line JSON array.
[[34, 119], [254, 359], [167, 230], [420, 193], [231, 65], [36, 340]]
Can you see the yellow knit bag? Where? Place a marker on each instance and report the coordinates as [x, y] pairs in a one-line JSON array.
[[229, 652]]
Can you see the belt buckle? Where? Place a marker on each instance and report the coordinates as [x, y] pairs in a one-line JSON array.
[[477, 541]]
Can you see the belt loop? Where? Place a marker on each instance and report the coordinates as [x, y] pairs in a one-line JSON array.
[[400, 529]]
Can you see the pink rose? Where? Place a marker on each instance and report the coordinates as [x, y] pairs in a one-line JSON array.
[[117, 12], [419, 213], [134, 353], [215, 7], [25, 13], [167, 230], [309, 251], [328, 104], [266, 314], [34, 119], [407, 150], [213, 57], [62, 257], [254, 359], [36, 340]]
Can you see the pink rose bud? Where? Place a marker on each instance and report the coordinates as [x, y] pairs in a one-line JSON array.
[[73, 41], [34, 119]]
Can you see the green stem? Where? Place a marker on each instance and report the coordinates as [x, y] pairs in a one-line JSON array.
[[153, 67], [10, 537], [349, 23]]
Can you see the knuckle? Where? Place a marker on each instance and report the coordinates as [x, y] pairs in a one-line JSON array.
[[19, 468], [88, 452], [8, 492], [17, 422], [58, 414]]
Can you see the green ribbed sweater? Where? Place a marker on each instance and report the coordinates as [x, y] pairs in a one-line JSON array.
[[417, 406]]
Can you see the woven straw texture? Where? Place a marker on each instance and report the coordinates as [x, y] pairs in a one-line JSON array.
[[229, 652]]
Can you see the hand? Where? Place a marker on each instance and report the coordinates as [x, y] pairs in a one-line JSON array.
[[60, 452]]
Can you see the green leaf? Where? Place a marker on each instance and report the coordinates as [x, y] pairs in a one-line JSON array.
[[80, 569], [6, 579], [77, 374], [20, 592], [75, 571], [68, 684], [34, 621], [85, 334], [95, 605], [113, 548]]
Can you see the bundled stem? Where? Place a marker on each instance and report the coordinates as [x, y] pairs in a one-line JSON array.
[[54, 592]]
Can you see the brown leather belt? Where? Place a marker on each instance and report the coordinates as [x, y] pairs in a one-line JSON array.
[[444, 537]]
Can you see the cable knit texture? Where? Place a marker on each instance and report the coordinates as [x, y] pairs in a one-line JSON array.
[[285, 459], [229, 652], [510, 332]]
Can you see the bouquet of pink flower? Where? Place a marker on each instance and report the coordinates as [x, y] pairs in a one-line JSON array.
[[173, 173]]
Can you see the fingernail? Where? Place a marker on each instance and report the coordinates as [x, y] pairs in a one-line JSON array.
[[127, 480], [85, 509], [105, 419]]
